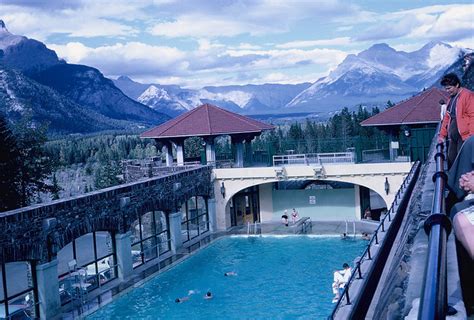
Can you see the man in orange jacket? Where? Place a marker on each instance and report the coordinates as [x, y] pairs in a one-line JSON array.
[[458, 122]]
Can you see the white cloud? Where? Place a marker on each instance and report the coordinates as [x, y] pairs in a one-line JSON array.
[[201, 26], [251, 17], [132, 58], [247, 46], [441, 22], [440, 55], [40, 24], [451, 23], [210, 61], [313, 43]]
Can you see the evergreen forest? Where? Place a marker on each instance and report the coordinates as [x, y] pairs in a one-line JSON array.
[[35, 169]]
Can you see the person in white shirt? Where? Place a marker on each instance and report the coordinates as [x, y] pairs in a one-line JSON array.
[[341, 277]]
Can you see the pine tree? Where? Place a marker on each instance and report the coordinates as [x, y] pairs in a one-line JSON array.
[[107, 175], [9, 171], [34, 166], [389, 104], [55, 188]]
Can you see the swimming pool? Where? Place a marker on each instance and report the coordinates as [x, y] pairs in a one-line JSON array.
[[277, 278]]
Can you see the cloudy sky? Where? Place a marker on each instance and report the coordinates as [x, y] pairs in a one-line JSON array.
[[194, 43]]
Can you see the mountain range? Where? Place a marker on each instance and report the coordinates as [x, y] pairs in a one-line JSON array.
[[373, 76], [79, 99], [71, 98]]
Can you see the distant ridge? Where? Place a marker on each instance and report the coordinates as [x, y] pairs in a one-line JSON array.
[[28, 64]]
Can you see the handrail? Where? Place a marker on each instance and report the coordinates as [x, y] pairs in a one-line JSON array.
[[313, 158], [433, 303], [367, 291]]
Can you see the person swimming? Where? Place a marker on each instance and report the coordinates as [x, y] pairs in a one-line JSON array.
[[208, 295], [181, 300]]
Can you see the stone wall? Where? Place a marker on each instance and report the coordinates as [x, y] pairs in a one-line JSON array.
[[134, 170], [38, 232]]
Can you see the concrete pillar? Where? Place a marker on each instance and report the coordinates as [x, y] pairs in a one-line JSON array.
[[266, 202], [175, 231], [358, 212], [48, 290], [248, 151], [123, 247], [180, 153], [211, 207], [168, 151], [210, 151], [239, 154]]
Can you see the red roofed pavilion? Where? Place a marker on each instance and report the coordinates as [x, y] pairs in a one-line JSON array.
[[206, 121], [412, 121], [424, 108]]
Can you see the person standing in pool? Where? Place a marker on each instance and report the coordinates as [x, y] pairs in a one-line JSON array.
[[294, 215], [284, 218]]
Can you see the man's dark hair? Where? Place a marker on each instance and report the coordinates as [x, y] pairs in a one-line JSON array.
[[450, 79], [345, 266]]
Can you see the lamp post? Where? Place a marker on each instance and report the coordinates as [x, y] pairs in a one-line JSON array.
[[408, 134]]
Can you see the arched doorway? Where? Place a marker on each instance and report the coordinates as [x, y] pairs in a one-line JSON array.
[[245, 207]]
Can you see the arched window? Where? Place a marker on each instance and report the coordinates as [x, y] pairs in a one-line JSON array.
[[194, 218], [85, 264], [17, 298], [150, 237]]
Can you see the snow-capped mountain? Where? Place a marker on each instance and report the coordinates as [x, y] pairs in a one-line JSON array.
[[378, 74], [373, 76], [173, 100], [70, 85], [6, 38], [159, 99]]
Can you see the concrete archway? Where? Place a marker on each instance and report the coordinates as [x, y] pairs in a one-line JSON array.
[[371, 176]]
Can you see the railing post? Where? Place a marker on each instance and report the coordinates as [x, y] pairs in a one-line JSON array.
[[348, 300], [433, 301]]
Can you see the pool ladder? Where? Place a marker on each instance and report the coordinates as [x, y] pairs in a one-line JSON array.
[[353, 228], [257, 228]]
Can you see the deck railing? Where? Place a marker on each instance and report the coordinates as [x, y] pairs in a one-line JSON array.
[[433, 303], [394, 218], [313, 158]]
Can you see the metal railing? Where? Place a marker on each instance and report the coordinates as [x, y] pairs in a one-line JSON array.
[[375, 155], [257, 228], [394, 216], [313, 158], [433, 303]]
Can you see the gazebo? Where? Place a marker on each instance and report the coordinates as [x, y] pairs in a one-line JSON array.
[[207, 121], [414, 119]]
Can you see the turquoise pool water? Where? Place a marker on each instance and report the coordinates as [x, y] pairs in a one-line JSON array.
[[277, 278]]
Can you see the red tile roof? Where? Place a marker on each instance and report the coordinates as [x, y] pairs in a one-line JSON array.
[[206, 120], [422, 108]]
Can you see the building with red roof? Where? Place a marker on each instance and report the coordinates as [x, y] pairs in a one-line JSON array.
[[206, 121], [421, 109], [412, 122]]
